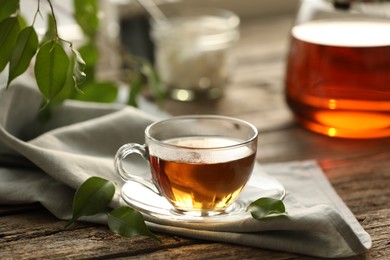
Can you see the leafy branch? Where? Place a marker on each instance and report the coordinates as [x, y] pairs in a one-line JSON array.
[[61, 70]]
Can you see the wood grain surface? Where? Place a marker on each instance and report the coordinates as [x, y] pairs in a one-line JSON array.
[[359, 170]]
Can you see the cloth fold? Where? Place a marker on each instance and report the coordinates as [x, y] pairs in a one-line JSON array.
[[46, 161]]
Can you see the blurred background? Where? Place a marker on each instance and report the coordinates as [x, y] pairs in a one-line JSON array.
[[127, 20]]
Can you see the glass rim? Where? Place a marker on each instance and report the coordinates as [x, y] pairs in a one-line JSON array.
[[203, 117], [230, 17], [228, 34]]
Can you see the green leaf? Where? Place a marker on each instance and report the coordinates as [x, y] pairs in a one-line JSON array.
[[265, 207], [70, 86], [78, 67], [92, 197], [51, 69], [128, 222], [104, 92], [75, 76], [67, 92], [135, 88], [25, 49], [9, 29], [7, 8], [90, 53], [86, 15]]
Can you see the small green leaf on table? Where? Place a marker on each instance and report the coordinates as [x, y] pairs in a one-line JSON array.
[[92, 197], [128, 222], [266, 207]]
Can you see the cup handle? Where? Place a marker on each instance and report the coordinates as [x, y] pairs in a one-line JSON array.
[[122, 153]]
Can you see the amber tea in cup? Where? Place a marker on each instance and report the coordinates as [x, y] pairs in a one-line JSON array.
[[200, 164]]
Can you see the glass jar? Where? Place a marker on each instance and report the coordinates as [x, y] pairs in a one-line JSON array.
[[338, 68], [192, 51]]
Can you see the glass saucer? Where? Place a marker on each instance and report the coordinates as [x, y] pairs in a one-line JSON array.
[[155, 207]]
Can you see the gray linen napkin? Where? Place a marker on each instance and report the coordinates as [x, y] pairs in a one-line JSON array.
[[46, 162]]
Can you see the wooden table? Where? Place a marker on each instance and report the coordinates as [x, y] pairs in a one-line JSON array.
[[359, 170]]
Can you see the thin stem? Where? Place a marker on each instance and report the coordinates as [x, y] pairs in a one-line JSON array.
[[37, 12], [56, 26], [54, 18]]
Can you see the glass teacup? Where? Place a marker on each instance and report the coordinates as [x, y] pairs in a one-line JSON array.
[[200, 164]]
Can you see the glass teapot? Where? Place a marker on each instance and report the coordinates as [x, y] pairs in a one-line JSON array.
[[338, 68]]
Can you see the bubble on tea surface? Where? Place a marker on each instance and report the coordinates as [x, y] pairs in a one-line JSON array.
[[188, 157], [194, 157]]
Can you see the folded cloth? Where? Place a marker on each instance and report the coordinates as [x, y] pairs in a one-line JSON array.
[[46, 161]]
